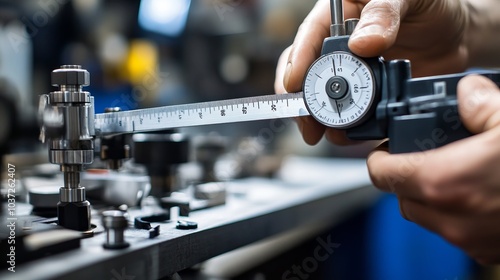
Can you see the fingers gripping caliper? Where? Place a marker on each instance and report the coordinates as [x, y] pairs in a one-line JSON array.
[[369, 98]]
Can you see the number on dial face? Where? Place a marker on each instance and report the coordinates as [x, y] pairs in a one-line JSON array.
[[339, 90]]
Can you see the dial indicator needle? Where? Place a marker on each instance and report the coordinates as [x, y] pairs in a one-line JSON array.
[[334, 70], [339, 108]]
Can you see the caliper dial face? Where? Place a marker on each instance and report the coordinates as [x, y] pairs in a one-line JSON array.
[[339, 90]]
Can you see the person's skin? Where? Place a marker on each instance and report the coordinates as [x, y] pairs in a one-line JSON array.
[[454, 190]]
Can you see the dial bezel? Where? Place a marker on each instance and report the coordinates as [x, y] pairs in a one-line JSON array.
[[365, 70]]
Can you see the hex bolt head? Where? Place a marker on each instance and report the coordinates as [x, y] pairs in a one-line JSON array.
[[72, 75]]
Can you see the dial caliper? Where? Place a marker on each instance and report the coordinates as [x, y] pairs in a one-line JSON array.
[[368, 97]]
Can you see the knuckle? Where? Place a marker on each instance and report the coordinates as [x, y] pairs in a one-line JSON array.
[[431, 189], [439, 190]]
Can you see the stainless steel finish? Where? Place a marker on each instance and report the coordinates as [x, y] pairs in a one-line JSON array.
[[68, 126], [115, 223], [70, 96], [72, 179], [70, 77], [350, 25], [71, 156], [62, 144], [337, 27], [72, 146], [216, 112], [42, 105], [72, 195]]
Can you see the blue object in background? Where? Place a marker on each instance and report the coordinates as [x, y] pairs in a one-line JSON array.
[[399, 249], [119, 96]]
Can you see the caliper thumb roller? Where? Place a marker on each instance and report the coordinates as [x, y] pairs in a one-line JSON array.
[[68, 127]]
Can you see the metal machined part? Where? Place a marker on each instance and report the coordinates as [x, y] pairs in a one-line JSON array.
[[70, 96], [337, 28], [71, 157], [72, 195], [70, 75], [350, 25], [68, 125], [115, 223]]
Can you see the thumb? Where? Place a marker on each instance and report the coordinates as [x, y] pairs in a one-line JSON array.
[[478, 103], [378, 27], [307, 45]]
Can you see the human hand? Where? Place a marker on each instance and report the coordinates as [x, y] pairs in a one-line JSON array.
[[454, 190], [430, 33]]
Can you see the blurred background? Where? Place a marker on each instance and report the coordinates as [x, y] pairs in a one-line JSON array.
[[145, 53], [152, 53]]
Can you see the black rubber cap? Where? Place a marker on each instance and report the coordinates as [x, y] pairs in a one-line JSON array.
[[74, 215]]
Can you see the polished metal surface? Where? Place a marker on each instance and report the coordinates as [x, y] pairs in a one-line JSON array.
[[72, 180], [72, 194], [337, 13], [67, 117], [115, 223], [63, 144], [266, 107], [70, 96], [350, 25], [71, 156], [70, 75]]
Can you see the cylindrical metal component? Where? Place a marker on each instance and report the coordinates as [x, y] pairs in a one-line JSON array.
[[350, 25], [68, 120], [63, 144], [115, 223], [69, 157], [337, 13], [72, 180], [67, 96], [72, 194]]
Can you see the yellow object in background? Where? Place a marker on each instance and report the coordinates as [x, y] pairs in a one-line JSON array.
[[142, 62], [142, 70]]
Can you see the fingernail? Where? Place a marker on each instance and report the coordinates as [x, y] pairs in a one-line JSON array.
[[286, 78]]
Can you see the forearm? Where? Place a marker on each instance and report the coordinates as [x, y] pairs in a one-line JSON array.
[[483, 34]]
